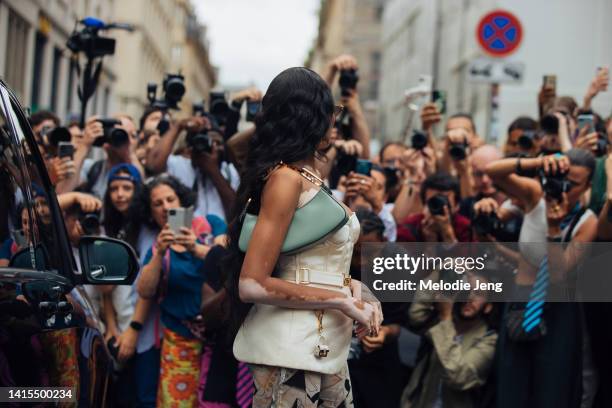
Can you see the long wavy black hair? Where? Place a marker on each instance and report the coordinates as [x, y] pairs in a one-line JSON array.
[[295, 116]]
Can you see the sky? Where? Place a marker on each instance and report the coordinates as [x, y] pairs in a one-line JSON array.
[[251, 41]]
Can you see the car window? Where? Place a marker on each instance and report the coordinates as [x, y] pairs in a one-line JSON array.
[[26, 216]]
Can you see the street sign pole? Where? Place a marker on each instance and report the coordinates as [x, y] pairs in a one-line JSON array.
[[494, 131], [499, 34]]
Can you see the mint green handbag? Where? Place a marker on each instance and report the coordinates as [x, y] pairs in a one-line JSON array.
[[321, 216]]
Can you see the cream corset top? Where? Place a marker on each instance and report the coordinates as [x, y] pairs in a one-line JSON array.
[[331, 255]]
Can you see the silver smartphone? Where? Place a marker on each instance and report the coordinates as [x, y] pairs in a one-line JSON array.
[[179, 218], [20, 238]]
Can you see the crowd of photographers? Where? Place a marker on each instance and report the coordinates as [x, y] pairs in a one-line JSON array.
[[159, 182]]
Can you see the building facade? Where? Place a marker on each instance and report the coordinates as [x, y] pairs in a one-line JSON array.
[[438, 38], [353, 27], [168, 39], [35, 62]]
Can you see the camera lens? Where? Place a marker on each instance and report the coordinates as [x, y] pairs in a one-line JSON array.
[[525, 141], [457, 151], [486, 224], [437, 203], [118, 137], [90, 222], [172, 211], [59, 134], [419, 140], [549, 124], [200, 142], [554, 186], [348, 80], [175, 89]]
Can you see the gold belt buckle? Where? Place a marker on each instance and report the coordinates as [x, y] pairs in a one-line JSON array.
[[302, 276], [347, 280]]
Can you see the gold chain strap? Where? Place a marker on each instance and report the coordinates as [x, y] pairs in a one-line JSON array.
[[319, 314]]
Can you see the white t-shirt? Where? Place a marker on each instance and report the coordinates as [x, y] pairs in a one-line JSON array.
[[208, 199]]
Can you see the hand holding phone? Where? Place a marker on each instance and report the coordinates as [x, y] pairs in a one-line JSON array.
[[550, 81], [438, 98], [180, 217], [65, 149], [363, 167]]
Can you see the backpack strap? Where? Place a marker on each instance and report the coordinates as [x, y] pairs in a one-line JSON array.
[[567, 237], [92, 175]]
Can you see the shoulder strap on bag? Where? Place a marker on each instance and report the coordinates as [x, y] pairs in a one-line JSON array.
[[93, 174], [304, 172]]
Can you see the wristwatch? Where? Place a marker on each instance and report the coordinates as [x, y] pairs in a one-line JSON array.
[[557, 238], [136, 325]]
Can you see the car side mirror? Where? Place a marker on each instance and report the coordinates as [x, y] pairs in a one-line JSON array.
[[107, 261]]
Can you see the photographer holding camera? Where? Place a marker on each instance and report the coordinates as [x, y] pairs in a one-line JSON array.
[[460, 136], [457, 351], [345, 68], [212, 178], [523, 138], [439, 220], [118, 138], [553, 213]]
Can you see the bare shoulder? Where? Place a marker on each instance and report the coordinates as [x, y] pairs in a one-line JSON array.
[[282, 190]]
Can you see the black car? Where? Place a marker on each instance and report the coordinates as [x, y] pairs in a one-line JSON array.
[[49, 333]]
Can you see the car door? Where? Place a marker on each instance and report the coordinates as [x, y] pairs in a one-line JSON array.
[[49, 334]]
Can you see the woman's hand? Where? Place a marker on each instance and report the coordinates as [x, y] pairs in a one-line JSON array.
[[555, 164], [87, 202], [367, 314], [486, 206], [349, 147], [186, 238], [165, 238], [586, 140]]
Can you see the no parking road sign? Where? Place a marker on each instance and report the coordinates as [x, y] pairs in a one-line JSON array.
[[499, 33]]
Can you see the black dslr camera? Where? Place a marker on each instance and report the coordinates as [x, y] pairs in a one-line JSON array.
[[419, 140], [527, 139], [458, 150], [485, 224], [200, 142], [90, 222], [173, 87], [348, 80], [218, 107], [437, 203], [115, 136], [554, 185]]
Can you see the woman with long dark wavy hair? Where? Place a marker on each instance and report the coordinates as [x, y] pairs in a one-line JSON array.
[[295, 311]]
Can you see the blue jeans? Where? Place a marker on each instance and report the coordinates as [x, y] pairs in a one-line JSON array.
[[147, 376]]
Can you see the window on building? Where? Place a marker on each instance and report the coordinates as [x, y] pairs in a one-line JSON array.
[[411, 32], [16, 53], [106, 102], [57, 61], [378, 12], [375, 58], [177, 53], [39, 52], [70, 86]]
